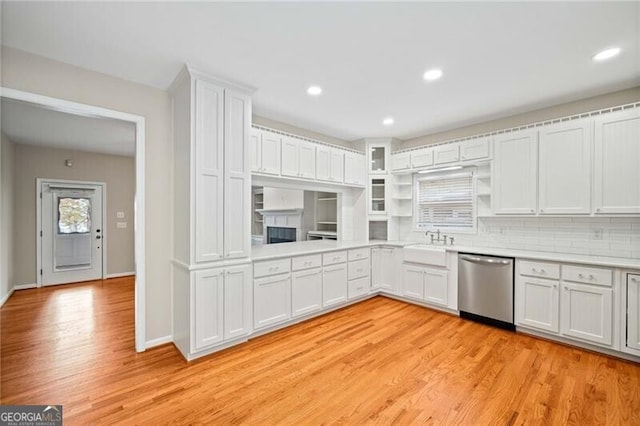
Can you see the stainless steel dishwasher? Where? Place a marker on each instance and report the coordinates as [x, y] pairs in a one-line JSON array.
[[485, 289]]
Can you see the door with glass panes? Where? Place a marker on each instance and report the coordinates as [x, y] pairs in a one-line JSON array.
[[72, 235]]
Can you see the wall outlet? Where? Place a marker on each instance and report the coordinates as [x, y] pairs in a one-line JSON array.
[[121, 225], [120, 215]]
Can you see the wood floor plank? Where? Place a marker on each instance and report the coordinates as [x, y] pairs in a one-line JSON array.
[[378, 362]]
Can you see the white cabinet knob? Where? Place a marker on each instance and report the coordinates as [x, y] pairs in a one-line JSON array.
[[591, 277], [542, 271], [580, 276], [534, 270]]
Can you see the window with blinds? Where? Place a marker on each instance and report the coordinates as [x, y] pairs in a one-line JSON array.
[[446, 202]]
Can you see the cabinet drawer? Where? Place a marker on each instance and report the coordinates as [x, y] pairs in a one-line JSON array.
[[540, 269], [333, 258], [306, 262], [357, 254], [583, 274], [359, 269], [271, 267], [358, 287]]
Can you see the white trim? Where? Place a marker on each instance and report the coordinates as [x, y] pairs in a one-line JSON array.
[[159, 341], [39, 183], [526, 126], [24, 286], [4, 299], [139, 208], [119, 275]]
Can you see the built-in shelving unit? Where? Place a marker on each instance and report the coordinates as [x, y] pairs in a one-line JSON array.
[[483, 190], [326, 217], [258, 204], [402, 195]]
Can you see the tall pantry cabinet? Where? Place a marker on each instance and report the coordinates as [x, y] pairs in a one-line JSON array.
[[212, 212]]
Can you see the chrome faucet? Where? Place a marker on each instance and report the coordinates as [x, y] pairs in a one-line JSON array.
[[435, 237]]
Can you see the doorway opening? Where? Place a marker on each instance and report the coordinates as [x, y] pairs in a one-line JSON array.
[[80, 200]]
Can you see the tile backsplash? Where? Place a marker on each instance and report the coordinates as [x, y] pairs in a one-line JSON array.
[[601, 236]]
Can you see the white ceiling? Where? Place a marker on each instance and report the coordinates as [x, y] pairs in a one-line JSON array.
[[31, 124], [499, 58]]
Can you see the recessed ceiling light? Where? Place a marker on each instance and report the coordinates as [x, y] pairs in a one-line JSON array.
[[606, 54], [432, 75], [314, 90], [388, 121]]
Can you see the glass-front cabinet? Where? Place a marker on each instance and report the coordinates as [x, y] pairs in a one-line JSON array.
[[378, 195], [378, 159]]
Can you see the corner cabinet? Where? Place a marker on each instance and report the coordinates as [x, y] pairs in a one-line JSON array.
[[212, 209]]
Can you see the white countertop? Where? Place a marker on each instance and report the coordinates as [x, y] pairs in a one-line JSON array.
[[274, 251], [617, 262]]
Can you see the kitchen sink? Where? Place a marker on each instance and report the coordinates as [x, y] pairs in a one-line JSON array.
[[426, 254]]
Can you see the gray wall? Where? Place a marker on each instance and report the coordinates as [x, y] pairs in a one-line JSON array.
[[36, 74], [6, 217], [589, 104], [117, 172]]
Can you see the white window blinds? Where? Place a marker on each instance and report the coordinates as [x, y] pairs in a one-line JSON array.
[[446, 201]]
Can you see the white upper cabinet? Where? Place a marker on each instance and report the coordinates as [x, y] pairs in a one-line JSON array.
[[237, 197], [515, 173], [422, 158], [329, 164], [617, 163], [565, 168], [307, 160], [475, 149], [298, 158], [378, 158], [400, 161], [212, 168], [265, 156], [449, 153], [209, 171], [354, 168]]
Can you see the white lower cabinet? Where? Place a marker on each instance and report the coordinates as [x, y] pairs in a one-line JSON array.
[[573, 301], [306, 292], [435, 286], [426, 284], [587, 313], [334, 284], [384, 268], [538, 304], [238, 298], [633, 312], [208, 304], [271, 300], [216, 309], [413, 282]]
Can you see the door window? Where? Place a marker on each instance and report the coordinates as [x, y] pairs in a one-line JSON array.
[[74, 215]]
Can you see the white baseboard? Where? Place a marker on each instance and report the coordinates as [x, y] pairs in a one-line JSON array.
[[118, 275], [159, 341], [24, 286], [4, 299]]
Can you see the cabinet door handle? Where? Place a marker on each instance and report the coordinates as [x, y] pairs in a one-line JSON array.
[[566, 288], [580, 276], [534, 270], [591, 277]]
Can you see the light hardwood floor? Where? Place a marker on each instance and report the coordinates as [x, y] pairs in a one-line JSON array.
[[380, 361]]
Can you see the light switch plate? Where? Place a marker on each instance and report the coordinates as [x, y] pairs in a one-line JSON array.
[[120, 215]]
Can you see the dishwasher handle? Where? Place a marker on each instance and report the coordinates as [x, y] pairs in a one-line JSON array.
[[485, 260]]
